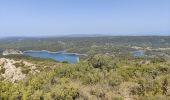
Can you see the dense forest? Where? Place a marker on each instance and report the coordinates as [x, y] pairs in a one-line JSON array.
[[109, 72], [85, 44]]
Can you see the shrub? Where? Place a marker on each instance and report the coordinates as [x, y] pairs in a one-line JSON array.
[[99, 61], [65, 90], [114, 79]]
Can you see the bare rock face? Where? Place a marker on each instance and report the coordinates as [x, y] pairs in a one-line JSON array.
[[11, 51], [13, 71]]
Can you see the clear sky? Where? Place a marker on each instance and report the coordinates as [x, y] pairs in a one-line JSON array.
[[65, 17]]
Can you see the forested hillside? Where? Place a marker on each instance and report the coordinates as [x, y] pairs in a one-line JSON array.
[[109, 72], [85, 44]]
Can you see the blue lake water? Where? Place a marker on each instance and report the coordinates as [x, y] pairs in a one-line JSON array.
[[138, 54], [59, 56]]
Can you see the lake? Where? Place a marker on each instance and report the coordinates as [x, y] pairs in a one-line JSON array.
[[138, 54], [58, 56]]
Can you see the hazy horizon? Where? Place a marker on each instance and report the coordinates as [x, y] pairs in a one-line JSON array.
[[81, 35], [42, 18]]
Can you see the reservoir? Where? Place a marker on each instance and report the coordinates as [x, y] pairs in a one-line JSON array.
[[58, 56]]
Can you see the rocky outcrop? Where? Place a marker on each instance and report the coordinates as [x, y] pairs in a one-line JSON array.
[[13, 71], [11, 51]]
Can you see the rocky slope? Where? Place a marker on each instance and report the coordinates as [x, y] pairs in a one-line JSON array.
[[13, 71]]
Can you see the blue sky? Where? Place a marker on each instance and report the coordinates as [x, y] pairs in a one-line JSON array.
[[65, 17]]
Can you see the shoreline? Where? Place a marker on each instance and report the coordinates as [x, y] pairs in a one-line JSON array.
[[54, 52]]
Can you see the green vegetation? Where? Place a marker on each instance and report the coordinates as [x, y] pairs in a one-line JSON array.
[[98, 77], [109, 72], [110, 44]]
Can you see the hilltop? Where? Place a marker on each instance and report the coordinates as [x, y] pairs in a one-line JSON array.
[[97, 77]]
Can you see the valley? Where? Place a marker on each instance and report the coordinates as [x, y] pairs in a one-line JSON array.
[[111, 70]]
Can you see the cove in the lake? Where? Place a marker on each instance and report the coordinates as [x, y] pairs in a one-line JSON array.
[[138, 54], [58, 56]]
